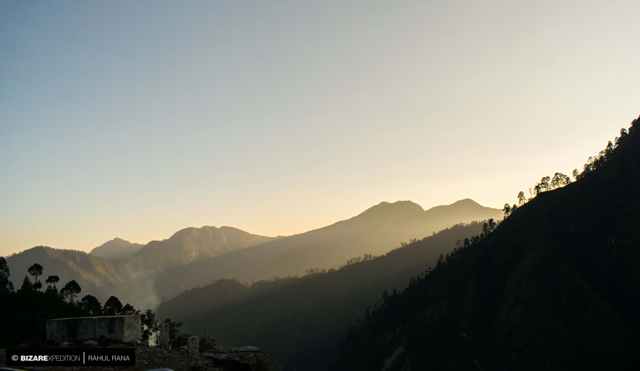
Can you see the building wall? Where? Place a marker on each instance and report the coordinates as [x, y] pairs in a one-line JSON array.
[[125, 329]]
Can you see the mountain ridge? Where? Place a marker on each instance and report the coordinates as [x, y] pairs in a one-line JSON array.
[[138, 272], [373, 231], [128, 270]]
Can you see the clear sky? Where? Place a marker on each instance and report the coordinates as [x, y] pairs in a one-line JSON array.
[[138, 118]]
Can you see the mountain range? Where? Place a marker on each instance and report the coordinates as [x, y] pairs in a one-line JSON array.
[[144, 274], [554, 286], [375, 231]]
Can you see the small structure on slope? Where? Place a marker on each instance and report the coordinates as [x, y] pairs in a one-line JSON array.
[[116, 329]]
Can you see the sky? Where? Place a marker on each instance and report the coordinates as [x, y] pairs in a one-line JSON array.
[[136, 119]]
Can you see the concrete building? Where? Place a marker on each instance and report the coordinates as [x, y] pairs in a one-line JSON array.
[[121, 329]]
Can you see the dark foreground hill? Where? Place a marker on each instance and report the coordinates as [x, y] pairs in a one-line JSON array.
[[374, 231], [556, 286], [302, 320]]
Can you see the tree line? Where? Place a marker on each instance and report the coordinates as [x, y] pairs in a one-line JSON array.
[[23, 312], [559, 180]]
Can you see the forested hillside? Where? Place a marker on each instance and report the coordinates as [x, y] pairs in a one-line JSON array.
[[302, 320], [129, 270], [99, 276], [25, 308], [555, 286]]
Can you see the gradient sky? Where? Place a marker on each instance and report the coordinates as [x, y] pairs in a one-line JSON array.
[[138, 118]]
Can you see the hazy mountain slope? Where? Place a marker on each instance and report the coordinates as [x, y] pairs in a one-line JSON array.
[[301, 320], [116, 249], [116, 268], [190, 244], [95, 275], [183, 247], [375, 231], [556, 286]]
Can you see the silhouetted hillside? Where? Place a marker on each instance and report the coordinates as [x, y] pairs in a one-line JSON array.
[[375, 231], [43, 295], [129, 270], [98, 276], [556, 286], [302, 320]]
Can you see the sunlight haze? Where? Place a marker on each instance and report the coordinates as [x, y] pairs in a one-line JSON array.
[[140, 119]]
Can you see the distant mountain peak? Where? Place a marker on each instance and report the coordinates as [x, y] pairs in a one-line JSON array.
[[116, 248], [116, 242], [205, 228], [410, 208], [466, 202], [39, 248], [185, 231], [118, 239], [231, 228], [391, 207]]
